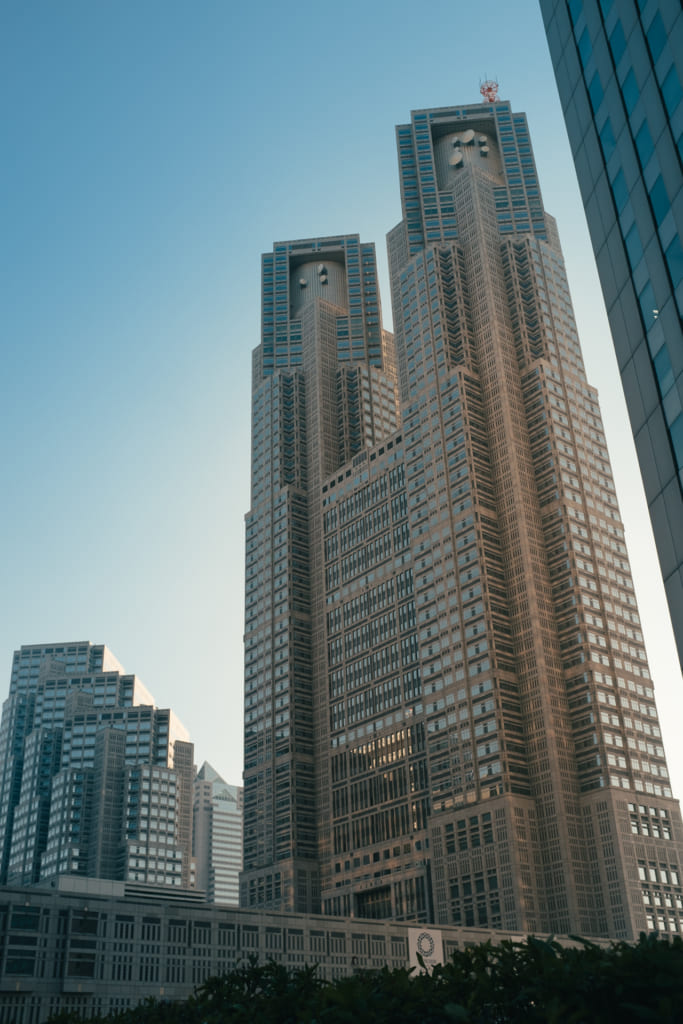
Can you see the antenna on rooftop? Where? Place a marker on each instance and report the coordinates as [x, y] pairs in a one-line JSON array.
[[489, 90]]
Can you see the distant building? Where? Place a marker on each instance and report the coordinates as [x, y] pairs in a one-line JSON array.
[[619, 71], [94, 779], [217, 836]]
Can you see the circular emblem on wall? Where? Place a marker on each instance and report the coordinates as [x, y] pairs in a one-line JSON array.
[[425, 944]]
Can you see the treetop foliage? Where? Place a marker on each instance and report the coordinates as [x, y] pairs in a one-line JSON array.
[[533, 982]]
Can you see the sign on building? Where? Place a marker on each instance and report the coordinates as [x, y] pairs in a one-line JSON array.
[[427, 944]]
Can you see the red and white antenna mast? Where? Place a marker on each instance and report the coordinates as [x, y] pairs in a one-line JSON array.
[[489, 90]]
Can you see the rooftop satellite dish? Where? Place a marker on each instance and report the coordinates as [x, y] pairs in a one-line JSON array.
[[468, 137]]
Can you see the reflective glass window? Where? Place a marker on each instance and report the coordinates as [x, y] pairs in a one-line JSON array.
[[659, 200], [619, 191], [617, 42], [671, 90], [663, 371], [575, 8], [644, 143], [656, 36], [630, 91], [676, 433], [595, 91], [674, 259], [607, 140], [634, 247], [646, 300]]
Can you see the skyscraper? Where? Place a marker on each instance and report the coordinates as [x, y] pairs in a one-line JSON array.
[[217, 836], [619, 70], [323, 389], [445, 672], [94, 779]]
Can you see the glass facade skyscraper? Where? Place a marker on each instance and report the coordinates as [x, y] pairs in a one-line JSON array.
[[449, 715], [619, 70]]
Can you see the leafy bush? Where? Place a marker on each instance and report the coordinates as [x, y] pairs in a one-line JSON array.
[[533, 982]]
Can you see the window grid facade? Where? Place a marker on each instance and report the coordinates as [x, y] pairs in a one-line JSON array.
[[481, 712], [94, 779]]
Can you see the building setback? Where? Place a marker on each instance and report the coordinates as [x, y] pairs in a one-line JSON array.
[[619, 71], [448, 711], [94, 779]]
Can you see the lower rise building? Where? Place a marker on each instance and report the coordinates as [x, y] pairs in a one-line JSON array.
[[90, 947]]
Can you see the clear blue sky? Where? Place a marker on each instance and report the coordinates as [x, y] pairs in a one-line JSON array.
[[151, 151]]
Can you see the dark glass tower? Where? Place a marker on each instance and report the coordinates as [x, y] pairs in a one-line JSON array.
[[619, 70]]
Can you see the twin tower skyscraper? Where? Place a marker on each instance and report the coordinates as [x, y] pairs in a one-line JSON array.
[[448, 711]]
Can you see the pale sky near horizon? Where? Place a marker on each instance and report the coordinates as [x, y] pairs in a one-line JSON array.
[[152, 151]]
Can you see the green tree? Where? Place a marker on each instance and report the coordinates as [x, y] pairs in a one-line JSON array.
[[532, 982]]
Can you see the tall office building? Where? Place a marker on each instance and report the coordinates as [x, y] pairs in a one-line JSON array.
[[445, 673], [323, 389], [94, 779], [619, 70], [217, 836]]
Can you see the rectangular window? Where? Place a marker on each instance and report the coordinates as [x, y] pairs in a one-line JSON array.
[[619, 191], [646, 300], [672, 91], [676, 432], [630, 92], [644, 143], [20, 963], [656, 36], [663, 371], [585, 47], [575, 8], [674, 259], [607, 140], [595, 91], [634, 247], [660, 200], [617, 42]]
